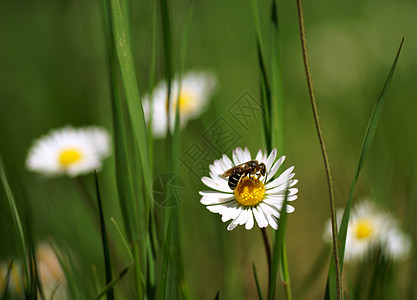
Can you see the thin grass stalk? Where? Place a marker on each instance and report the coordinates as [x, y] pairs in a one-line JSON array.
[[322, 146], [104, 240], [16, 219]]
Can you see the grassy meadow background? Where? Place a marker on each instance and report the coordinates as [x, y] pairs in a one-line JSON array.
[[54, 73]]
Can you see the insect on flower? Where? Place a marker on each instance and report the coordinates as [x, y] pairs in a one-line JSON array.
[[243, 192], [235, 174]]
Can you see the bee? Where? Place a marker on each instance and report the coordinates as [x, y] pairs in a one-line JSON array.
[[235, 174]]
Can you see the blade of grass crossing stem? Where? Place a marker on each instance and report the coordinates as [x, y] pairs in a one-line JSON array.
[[131, 92], [16, 219], [104, 240], [258, 286], [277, 98], [111, 284], [369, 135], [277, 253]]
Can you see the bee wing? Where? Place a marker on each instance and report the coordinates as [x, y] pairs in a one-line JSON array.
[[231, 171], [228, 172]]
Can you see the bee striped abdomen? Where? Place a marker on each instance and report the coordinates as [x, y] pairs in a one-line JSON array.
[[234, 180]]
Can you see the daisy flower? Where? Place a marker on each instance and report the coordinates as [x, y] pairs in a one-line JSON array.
[[69, 151], [370, 229], [255, 197], [196, 89]]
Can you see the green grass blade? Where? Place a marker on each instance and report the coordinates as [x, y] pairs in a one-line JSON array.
[[258, 286], [111, 284], [131, 92], [277, 98], [104, 240], [277, 251], [367, 141], [16, 219], [135, 213], [264, 81], [122, 237]]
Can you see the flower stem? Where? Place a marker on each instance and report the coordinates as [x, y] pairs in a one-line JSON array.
[[322, 145]]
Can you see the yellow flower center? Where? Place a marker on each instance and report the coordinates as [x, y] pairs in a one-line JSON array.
[[249, 191], [69, 156], [364, 229]]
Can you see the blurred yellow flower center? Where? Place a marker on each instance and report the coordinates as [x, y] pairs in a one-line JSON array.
[[249, 191], [69, 156], [186, 102], [364, 229]]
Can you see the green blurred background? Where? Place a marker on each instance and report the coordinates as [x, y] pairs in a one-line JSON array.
[[54, 73]]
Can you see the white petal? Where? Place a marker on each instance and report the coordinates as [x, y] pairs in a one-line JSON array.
[[238, 156], [211, 201], [246, 155], [243, 217], [232, 226], [259, 155], [290, 208], [260, 218], [249, 224], [270, 218], [283, 178], [270, 210], [215, 185], [231, 212], [275, 167], [228, 163], [271, 159]]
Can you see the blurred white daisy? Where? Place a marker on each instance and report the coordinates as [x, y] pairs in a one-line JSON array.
[[396, 245], [254, 197], [11, 278], [50, 275], [50, 272], [69, 151], [370, 230], [196, 89]]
